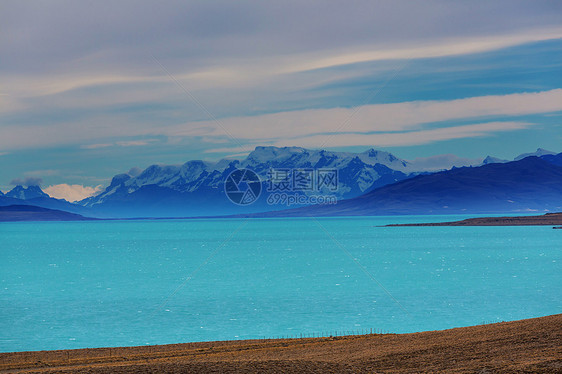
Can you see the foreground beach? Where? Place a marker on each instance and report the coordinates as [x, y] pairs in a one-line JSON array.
[[526, 346]]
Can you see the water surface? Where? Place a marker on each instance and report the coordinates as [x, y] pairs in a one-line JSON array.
[[122, 283]]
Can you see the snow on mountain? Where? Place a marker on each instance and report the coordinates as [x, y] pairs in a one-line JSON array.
[[197, 187], [22, 193], [297, 157], [357, 173], [493, 160], [531, 184], [539, 152], [372, 157]]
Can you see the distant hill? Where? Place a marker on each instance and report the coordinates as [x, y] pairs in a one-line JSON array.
[[531, 184], [33, 195], [14, 213], [553, 159]]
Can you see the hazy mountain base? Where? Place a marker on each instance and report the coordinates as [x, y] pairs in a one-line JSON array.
[[15, 213]]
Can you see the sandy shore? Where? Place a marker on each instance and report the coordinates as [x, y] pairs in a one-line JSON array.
[[527, 346], [549, 219]]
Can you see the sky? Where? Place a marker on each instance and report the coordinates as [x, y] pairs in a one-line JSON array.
[[91, 89]]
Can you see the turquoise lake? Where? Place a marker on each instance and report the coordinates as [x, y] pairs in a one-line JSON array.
[[122, 283]]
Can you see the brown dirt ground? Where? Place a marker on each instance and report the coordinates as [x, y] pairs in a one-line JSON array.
[[527, 346], [549, 219]]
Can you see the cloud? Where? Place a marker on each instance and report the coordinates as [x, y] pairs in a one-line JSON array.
[[441, 162], [72, 192], [122, 143], [442, 48], [27, 181], [135, 143], [325, 124], [302, 126], [293, 73], [393, 139], [96, 146], [42, 173], [242, 150], [248, 31]]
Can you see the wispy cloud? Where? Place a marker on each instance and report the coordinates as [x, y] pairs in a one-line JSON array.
[[314, 127], [439, 48], [27, 181], [121, 143], [135, 143], [238, 150], [42, 173], [410, 137], [96, 146]]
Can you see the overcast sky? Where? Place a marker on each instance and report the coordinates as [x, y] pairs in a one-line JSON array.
[[90, 89]]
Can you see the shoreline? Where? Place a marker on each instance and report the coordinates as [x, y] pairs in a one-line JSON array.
[[529, 345], [548, 219]]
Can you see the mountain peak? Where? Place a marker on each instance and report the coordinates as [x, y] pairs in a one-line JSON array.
[[119, 179], [539, 152], [373, 156], [543, 150], [22, 193], [492, 160]]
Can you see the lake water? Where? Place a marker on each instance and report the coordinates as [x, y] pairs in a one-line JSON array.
[[122, 283]]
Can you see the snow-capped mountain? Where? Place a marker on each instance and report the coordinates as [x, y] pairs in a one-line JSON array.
[[23, 193], [296, 157], [34, 196], [539, 152], [493, 160], [197, 187]]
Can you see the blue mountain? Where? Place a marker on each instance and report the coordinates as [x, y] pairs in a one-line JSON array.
[[370, 182], [34, 196], [531, 184], [14, 213], [540, 152], [553, 159], [23, 193]]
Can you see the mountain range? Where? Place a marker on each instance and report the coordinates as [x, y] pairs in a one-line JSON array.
[[370, 182], [197, 187], [532, 184]]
